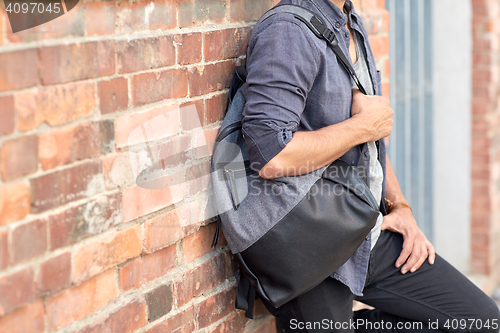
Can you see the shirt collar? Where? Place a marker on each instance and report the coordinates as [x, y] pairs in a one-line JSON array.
[[334, 14]]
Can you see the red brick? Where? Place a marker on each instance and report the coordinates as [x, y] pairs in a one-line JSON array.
[[138, 202], [204, 141], [379, 45], [146, 269], [17, 290], [198, 12], [199, 280], [100, 18], [34, 234], [60, 187], [113, 95], [2, 27], [216, 307], [54, 105], [7, 114], [14, 202], [145, 53], [198, 244], [192, 114], [73, 304], [215, 108], [188, 48], [160, 302], [18, 69], [69, 145], [209, 78], [126, 320], [146, 15], [234, 323], [4, 249], [242, 10], [19, 157], [183, 322], [161, 231], [157, 86], [54, 274], [80, 61], [106, 252], [225, 44], [28, 319], [152, 125], [83, 221], [70, 24], [118, 171]]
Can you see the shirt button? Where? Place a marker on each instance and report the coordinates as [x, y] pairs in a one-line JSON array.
[[367, 237], [367, 153], [337, 25], [346, 34]]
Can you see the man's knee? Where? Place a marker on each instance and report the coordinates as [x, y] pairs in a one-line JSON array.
[[488, 320]]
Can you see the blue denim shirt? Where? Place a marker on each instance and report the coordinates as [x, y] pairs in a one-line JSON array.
[[296, 83]]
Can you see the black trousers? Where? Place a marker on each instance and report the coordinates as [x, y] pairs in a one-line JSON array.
[[435, 298]]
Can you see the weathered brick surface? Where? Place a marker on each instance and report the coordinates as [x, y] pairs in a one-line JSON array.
[[54, 105], [54, 274], [29, 240], [63, 63], [78, 302], [157, 86], [113, 95], [28, 319], [209, 78], [160, 302], [148, 268], [60, 187], [69, 145], [7, 114], [100, 18], [104, 253], [200, 279], [4, 249], [183, 322], [17, 289], [126, 320], [14, 202], [188, 48], [18, 69], [89, 103], [196, 12], [13, 164], [145, 53], [83, 221], [225, 44]]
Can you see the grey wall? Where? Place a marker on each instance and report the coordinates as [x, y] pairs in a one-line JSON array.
[[452, 38]]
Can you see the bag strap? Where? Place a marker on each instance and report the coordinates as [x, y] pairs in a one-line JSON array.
[[318, 26]]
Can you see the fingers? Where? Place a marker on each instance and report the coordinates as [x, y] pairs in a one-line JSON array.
[[432, 253], [406, 252]]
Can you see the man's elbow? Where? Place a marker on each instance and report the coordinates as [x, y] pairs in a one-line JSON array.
[[272, 169]]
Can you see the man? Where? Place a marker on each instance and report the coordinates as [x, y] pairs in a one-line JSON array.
[[302, 114]]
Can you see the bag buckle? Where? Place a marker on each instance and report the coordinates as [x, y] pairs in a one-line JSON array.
[[329, 35]]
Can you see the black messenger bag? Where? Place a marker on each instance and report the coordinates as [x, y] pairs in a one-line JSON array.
[[320, 233]]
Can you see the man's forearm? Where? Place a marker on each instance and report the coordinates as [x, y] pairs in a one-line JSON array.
[[393, 190], [310, 150]]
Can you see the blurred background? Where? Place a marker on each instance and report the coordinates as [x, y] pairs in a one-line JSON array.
[[106, 89]]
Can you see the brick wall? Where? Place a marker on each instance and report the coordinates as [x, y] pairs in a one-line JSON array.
[[485, 224], [86, 101]]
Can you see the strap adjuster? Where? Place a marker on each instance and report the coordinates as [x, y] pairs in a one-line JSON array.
[[328, 35]]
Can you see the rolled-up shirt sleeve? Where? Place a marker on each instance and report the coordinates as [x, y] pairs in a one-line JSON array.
[[282, 67]]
